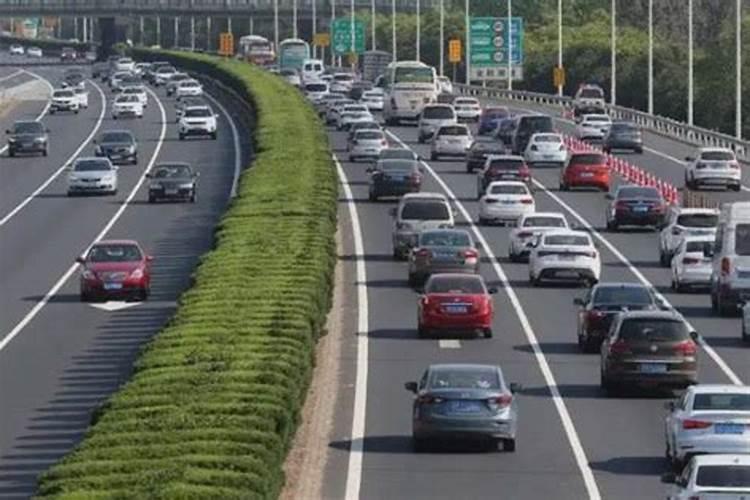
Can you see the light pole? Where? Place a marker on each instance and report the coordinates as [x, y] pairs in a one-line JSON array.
[[738, 62], [510, 45], [613, 56], [276, 26], [333, 18], [372, 25], [314, 24], [176, 31], [651, 57], [192, 33], [352, 33], [294, 19], [419, 29], [466, 43], [158, 31], [394, 41], [442, 36], [559, 44], [85, 29], [690, 62], [141, 26]]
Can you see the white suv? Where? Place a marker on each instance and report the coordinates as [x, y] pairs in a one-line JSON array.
[[593, 127], [417, 212], [713, 167], [685, 222], [588, 99], [198, 120], [188, 88], [64, 100]]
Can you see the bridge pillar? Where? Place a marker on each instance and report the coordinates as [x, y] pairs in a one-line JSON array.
[[192, 33], [85, 29], [229, 24], [107, 34], [75, 27], [141, 30], [252, 26], [208, 33], [176, 31]]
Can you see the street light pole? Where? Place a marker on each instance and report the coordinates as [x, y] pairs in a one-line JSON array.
[[466, 43], [176, 31], [651, 57], [613, 56], [393, 30], [559, 43], [294, 19], [276, 26], [314, 25], [419, 29], [352, 33], [738, 62], [373, 25], [442, 36], [510, 45], [690, 62]]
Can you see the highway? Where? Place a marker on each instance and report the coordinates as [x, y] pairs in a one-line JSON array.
[[60, 358], [573, 441]]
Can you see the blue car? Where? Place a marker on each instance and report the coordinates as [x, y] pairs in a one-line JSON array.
[[491, 117]]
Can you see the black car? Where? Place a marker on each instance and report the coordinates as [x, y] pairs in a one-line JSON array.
[[27, 137], [528, 125], [359, 88], [99, 69], [603, 302], [503, 168], [119, 146], [172, 181], [394, 178], [504, 131], [74, 80], [623, 135], [636, 206], [480, 150]]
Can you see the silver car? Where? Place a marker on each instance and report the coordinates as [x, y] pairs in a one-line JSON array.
[[708, 419], [451, 140], [691, 264], [464, 401], [92, 175], [442, 251], [366, 144]]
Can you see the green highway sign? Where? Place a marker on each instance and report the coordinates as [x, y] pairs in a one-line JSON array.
[[341, 36], [489, 38]]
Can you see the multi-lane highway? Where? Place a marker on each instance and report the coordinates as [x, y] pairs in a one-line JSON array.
[[573, 441], [60, 358]]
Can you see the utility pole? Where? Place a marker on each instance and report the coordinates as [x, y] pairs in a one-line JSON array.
[[467, 42], [738, 62], [613, 56], [651, 57], [559, 43], [442, 36], [419, 31], [510, 44], [690, 62]]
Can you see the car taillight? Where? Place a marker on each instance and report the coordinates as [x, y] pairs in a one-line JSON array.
[[383, 142], [734, 164], [525, 234], [415, 178], [619, 347], [137, 274], [726, 266], [690, 261], [424, 253], [470, 256], [500, 402], [527, 201], [89, 274], [686, 348], [695, 424], [524, 172], [428, 399], [596, 314]]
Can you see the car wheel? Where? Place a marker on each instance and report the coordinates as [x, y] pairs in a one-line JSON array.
[[512, 256], [422, 332], [182, 137], [84, 296], [420, 445], [563, 187], [615, 226], [352, 159], [487, 333], [639, 151], [143, 295], [11, 153], [745, 335], [736, 187], [714, 303], [607, 386], [45, 152], [433, 156], [52, 111], [373, 197], [663, 258], [509, 445], [213, 135], [193, 196], [469, 169], [482, 221], [412, 280], [134, 161], [114, 117], [151, 198], [76, 111], [724, 309]]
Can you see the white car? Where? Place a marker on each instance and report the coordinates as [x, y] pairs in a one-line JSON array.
[[467, 108], [141, 68], [92, 175], [684, 222], [528, 230], [546, 148], [711, 477], [64, 100], [367, 144], [352, 113], [504, 202], [691, 264], [16, 50], [125, 64], [127, 106], [198, 120], [593, 126], [163, 74], [83, 97], [115, 81], [342, 82], [446, 86], [336, 108], [315, 90], [713, 167], [373, 99], [451, 140], [138, 91], [564, 255], [188, 88], [34, 52]]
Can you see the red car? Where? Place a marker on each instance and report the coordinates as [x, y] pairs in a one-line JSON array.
[[455, 303], [115, 268], [585, 170]]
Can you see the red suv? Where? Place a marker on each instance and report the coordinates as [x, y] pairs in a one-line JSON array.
[[115, 268], [585, 170]]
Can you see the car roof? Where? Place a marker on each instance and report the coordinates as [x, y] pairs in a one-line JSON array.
[[116, 242], [670, 315], [714, 150], [424, 196], [568, 232], [20, 122], [463, 366], [505, 157], [596, 115], [454, 125], [721, 459], [118, 131], [476, 277], [507, 183], [694, 210], [614, 284], [719, 388], [368, 131], [703, 238], [559, 215], [172, 164], [98, 159]]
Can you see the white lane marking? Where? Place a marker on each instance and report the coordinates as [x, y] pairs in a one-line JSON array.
[[114, 305], [449, 344], [60, 170], [709, 350], [549, 378], [72, 269], [236, 138], [12, 75], [356, 448], [45, 109]]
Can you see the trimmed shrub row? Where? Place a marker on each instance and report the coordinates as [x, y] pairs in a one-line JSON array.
[[215, 397]]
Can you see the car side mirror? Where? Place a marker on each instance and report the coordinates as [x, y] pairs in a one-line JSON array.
[[411, 387], [392, 212], [369, 170], [689, 158], [197, 174], [669, 478], [492, 290], [695, 336], [149, 176], [515, 387], [708, 253], [149, 258], [669, 405], [578, 301], [80, 259], [609, 196]]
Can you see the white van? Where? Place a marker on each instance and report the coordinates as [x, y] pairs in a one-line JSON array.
[[730, 268], [312, 69]]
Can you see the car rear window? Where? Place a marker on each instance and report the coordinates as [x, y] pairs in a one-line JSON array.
[[370, 135], [699, 246], [597, 119], [652, 330], [495, 113], [622, 295], [455, 284], [624, 127], [445, 239], [717, 156], [454, 130], [639, 192], [394, 165], [63, 93], [508, 189], [438, 113], [567, 239], [547, 138], [425, 210], [723, 476], [535, 124], [465, 102], [395, 153], [505, 165], [464, 378], [543, 222], [698, 220], [197, 113], [722, 402], [588, 159], [742, 239], [116, 137], [592, 93]]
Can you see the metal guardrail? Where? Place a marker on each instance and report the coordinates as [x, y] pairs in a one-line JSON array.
[[666, 127]]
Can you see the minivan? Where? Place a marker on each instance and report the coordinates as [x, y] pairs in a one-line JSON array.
[[311, 70], [528, 125], [730, 268], [417, 212], [433, 116]]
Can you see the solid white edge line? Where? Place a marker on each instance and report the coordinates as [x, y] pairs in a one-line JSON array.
[[621, 257], [356, 447], [45, 109], [72, 269], [60, 170], [449, 344], [236, 138], [12, 75], [549, 378]]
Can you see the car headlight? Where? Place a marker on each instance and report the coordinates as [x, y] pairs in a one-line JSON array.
[[89, 274], [137, 274], [98, 150], [40, 140], [131, 149], [156, 185], [186, 186]]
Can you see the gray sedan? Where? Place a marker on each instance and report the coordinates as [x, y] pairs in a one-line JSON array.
[[464, 401], [442, 251]]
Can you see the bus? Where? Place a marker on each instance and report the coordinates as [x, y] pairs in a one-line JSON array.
[[293, 52], [409, 85], [257, 50], [374, 63]]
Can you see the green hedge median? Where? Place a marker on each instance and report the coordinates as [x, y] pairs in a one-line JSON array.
[[215, 397]]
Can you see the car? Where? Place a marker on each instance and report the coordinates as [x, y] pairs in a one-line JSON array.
[[394, 177], [682, 222], [651, 348], [527, 125], [172, 181], [502, 168], [198, 120], [721, 477], [417, 212], [68, 54], [443, 251], [451, 140], [351, 114], [114, 269], [480, 150], [90, 56], [455, 303], [138, 91], [162, 73], [64, 100], [188, 88], [546, 149], [312, 69], [355, 127], [586, 170], [99, 69], [127, 106], [119, 146], [708, 419], [34, 52], [75, 81], [714, 167], [464, 402], [593, 127], [321, 105], [564, 255], [366, 144], [691, 263], [589, 98], [623, 135], [491, 117], [432, 117], [83, 97], [504, 131], [358, 89], [601, 305], [342, 82], [635, 206], [529, 228], [188, 102], [445, 98], [170, 85], [373, 99], [445, 84], [392, 153], [92, 176], [314, 90], [505, 202], [16, 50], [730, 279], [335, 108], [125, 64], [141, 69], [467, 108], [27, 136], [119, 79]]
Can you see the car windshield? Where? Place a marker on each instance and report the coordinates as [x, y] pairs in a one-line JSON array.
[[508, 189], [455, 130], [444, 239], [425, 210], [632, 295], [114, 253], [553, 138], [575, 240], [132, 90], [717, 156], [172, 171], [438, 113], [536, 123], [639, 192], [369, 135], [698, 220], [723, 476], [543, 222], [372, 95], [119, 137], [505, 165], [197, 113], [414, 75], [652, 330], [343, 77], [189, 83], [742, 239], [722, 401], [597, 119], [28, 128], [166, 69], [455, 284], [395, 153], [316, 87], [127, 98], [355, 108], [592, 93], [91, 165], [63, 93], [699, 247], [464, 378]]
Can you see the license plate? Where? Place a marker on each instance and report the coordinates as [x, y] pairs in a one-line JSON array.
[[587, 174], [509, 202], [729, 428], [653, 368], [548, 157], [112, 286], [508, 176], [567, 257], [461, 406], [450, 309], [170, 191], [640, 210]]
